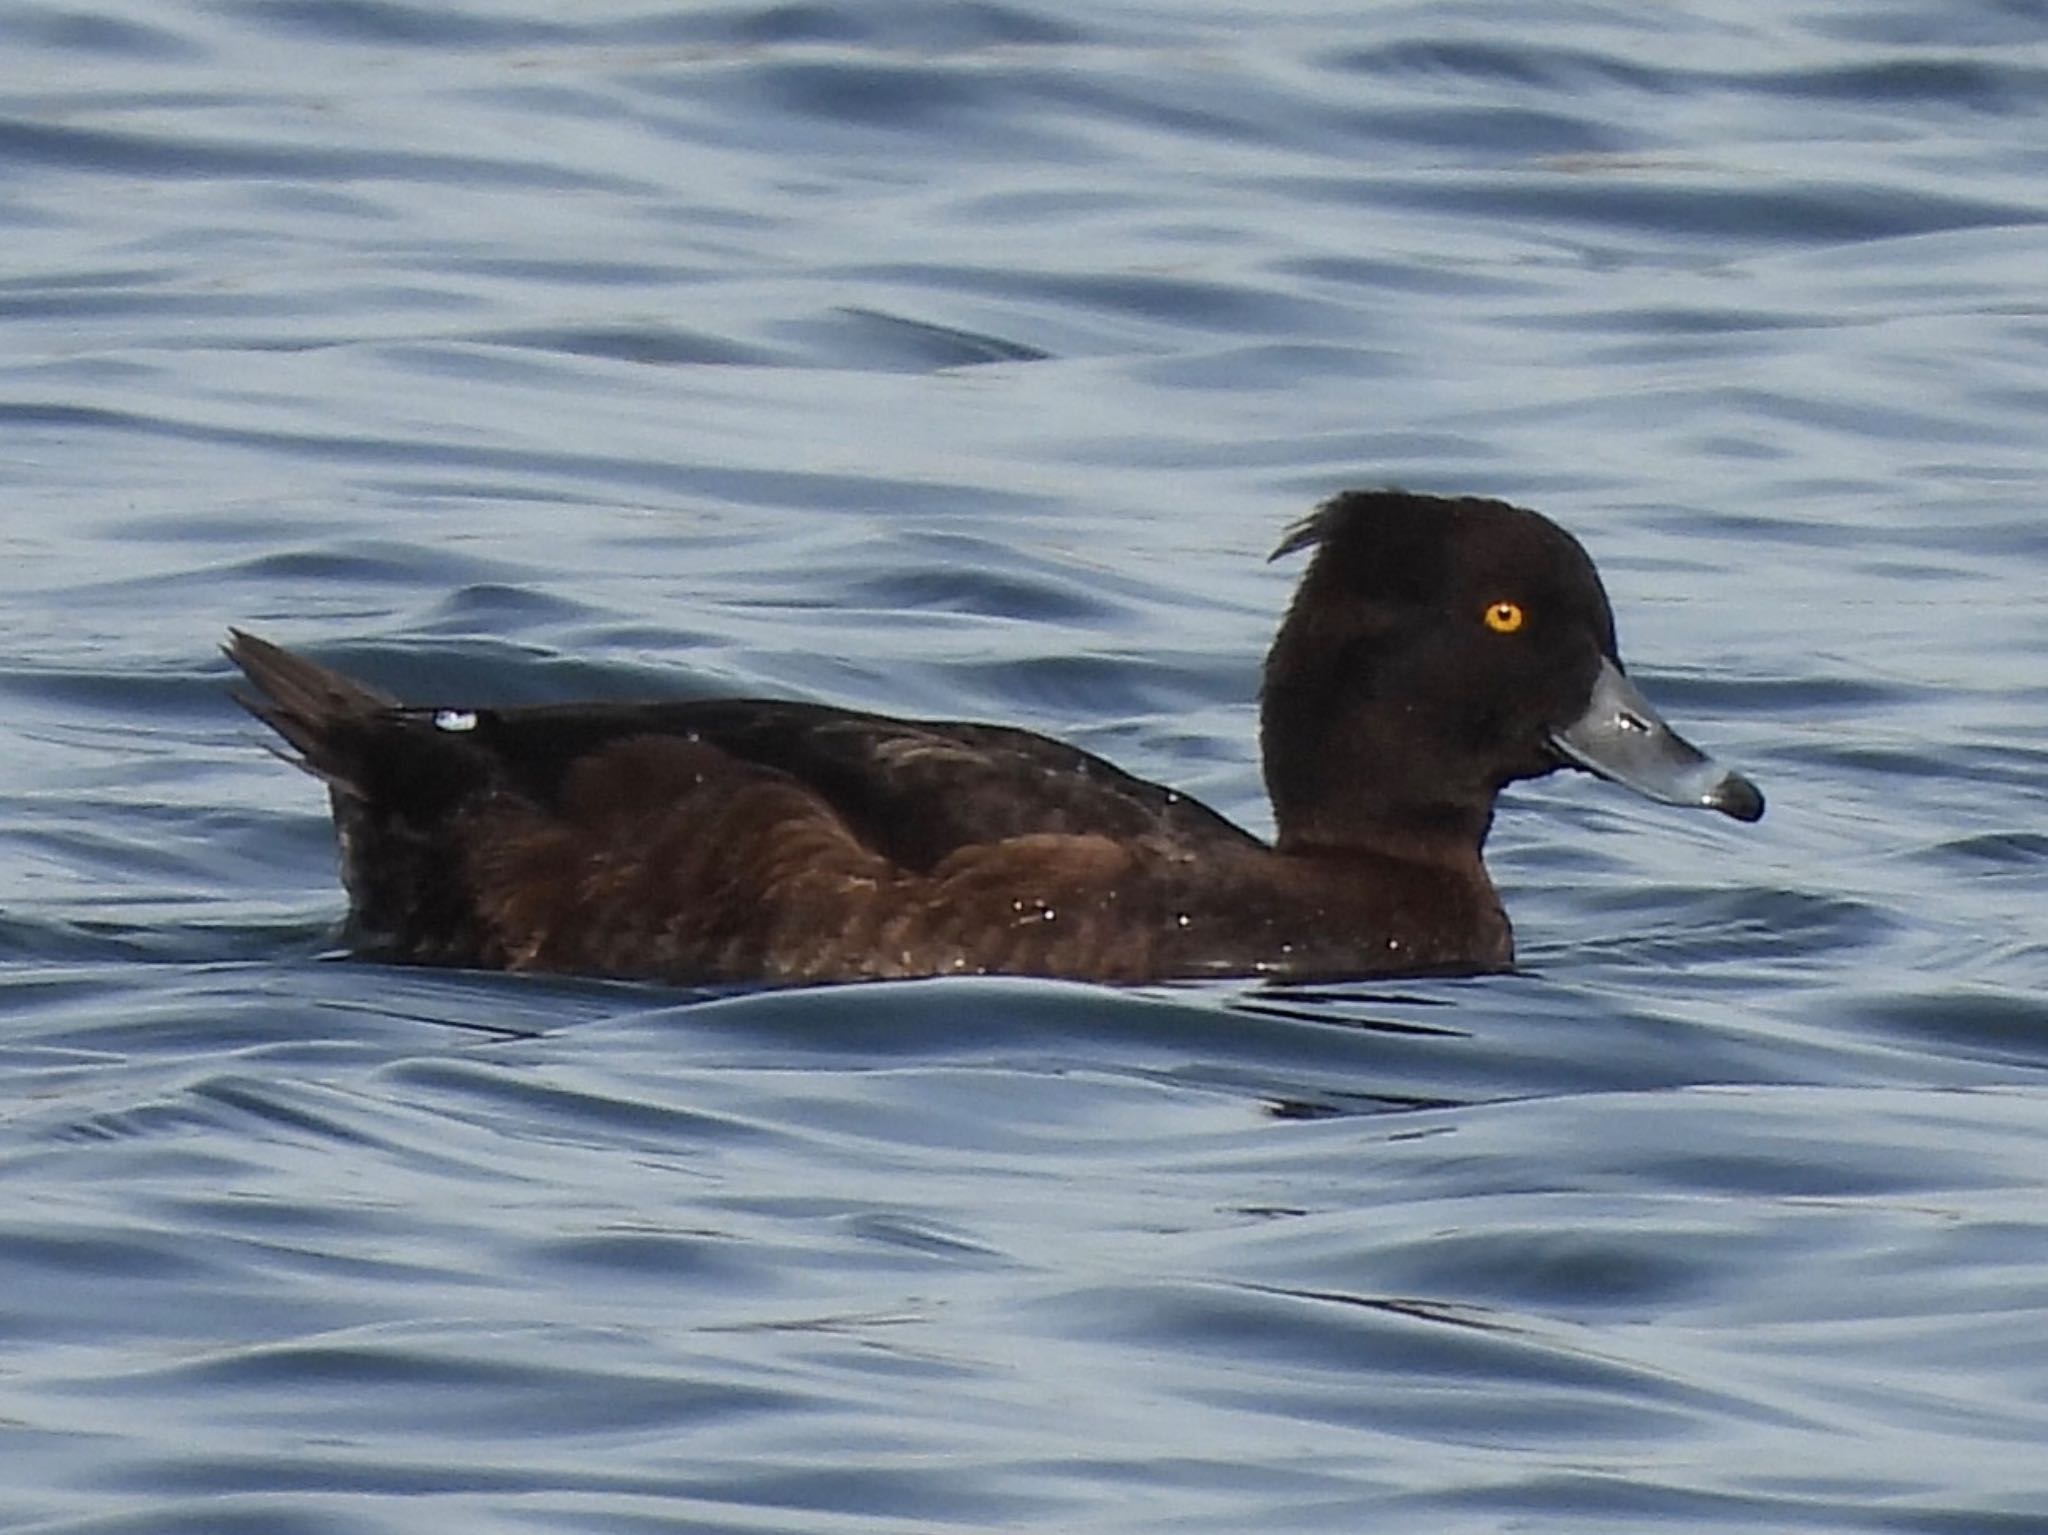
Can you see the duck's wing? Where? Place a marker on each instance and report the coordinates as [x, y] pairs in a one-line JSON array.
[[914, 791]]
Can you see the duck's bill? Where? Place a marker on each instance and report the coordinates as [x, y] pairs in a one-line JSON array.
[[1621, 738]]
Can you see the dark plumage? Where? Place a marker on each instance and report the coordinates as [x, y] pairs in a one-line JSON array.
[[1435, 651]]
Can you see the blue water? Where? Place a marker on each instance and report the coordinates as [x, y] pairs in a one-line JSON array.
[[967, 360]]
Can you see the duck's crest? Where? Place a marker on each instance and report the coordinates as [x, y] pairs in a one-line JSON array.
[[1331, 519]]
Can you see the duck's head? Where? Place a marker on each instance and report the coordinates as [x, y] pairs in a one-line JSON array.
[[1438, 649]]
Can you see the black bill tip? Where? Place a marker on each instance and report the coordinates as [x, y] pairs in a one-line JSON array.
[[1736, 796]]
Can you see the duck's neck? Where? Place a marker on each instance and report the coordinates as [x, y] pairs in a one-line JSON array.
[[1443, 835], [1355, 781]]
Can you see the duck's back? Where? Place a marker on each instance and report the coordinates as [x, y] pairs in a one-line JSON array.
[[916, 791]]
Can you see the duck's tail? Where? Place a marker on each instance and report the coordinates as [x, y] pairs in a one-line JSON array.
[[310, 706], [393, 779]]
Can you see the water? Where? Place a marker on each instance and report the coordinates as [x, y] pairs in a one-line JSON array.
[[967, 360]]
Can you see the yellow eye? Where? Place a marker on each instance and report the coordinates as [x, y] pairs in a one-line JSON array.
[[1504, 617]]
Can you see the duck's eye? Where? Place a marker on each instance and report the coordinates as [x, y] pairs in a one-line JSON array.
[[1504, 617]]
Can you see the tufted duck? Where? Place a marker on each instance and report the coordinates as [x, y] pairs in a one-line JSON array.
[[1436, 650]]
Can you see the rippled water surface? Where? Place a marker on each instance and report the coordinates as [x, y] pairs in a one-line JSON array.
[[966, 360]]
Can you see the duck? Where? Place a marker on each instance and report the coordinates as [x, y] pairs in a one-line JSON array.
[[1436, 650]]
